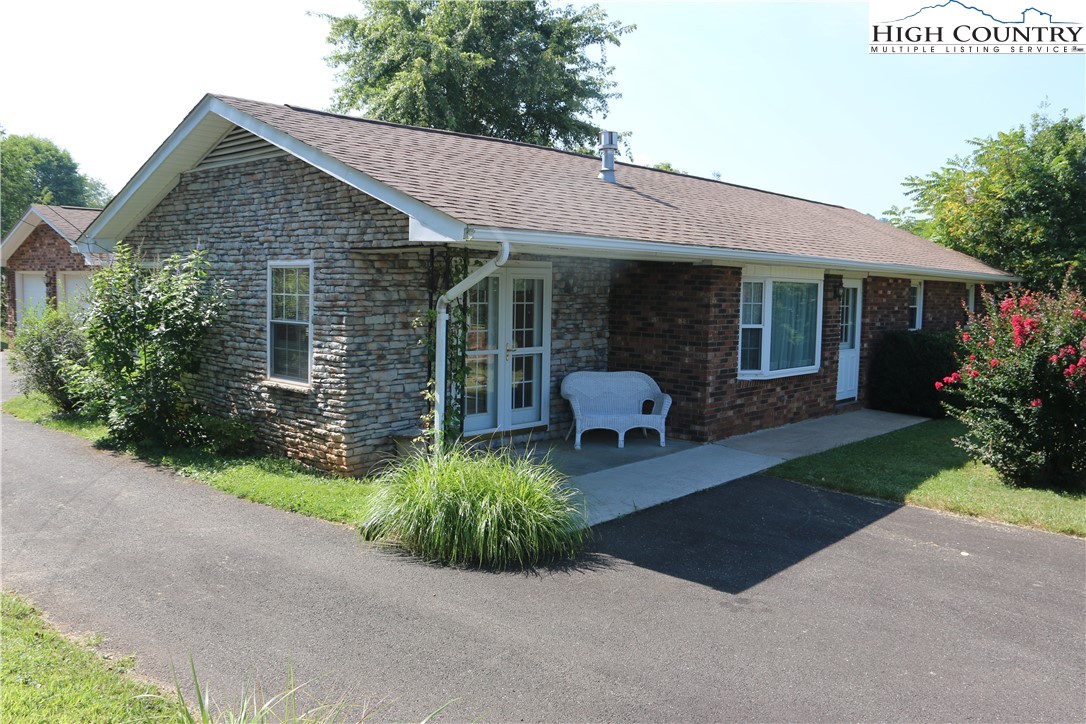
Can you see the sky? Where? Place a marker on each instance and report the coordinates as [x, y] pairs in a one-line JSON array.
[[781, 96]]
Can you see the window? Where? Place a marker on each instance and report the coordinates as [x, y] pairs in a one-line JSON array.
[[780, 327], [289, 323], [971, 297], [916, 305]]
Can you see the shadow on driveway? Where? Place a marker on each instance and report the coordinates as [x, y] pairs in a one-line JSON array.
[[736, 536]]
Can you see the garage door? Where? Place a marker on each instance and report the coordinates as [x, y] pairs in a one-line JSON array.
[[30, 292], [73, 289]]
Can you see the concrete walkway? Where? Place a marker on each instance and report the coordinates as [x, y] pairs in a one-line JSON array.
[[617, 491]]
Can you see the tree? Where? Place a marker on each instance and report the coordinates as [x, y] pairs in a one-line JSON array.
[[522, 71], [666, 166], [1017, 202], [35, 170]]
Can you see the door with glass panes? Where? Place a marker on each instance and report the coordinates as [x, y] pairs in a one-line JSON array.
[[508, 350], [848, 363]]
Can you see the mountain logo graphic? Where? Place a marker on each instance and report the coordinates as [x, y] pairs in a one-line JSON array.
[[1039, 16]]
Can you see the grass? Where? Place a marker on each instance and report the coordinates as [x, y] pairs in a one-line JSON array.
[[470, 507], [921, 466], [272, 481], [46, 677]]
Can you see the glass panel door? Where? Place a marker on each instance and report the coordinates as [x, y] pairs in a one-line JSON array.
[[508, 352], [848, 360], [526, 351], [480, 384]]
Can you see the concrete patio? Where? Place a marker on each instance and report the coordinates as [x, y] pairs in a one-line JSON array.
[[618, 482]]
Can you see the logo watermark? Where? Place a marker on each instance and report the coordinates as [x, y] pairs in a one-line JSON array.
[[1003, 27]]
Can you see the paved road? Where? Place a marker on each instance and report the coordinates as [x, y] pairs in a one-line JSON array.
[[758, 600]]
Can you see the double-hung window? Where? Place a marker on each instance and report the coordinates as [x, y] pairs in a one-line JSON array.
[[916, 305], [290, 325], [780, 327]]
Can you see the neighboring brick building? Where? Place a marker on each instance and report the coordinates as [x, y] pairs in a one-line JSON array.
[[41, 260], [751, 309]]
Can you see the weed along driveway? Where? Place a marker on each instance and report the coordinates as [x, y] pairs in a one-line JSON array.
[[757, 600]]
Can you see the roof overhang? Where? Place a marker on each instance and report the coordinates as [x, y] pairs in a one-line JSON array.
[[201, 130], [535, 242], [22, 230]]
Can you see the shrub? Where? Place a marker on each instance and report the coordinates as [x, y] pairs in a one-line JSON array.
[[48, 348], [220, 435], [472, 507], [1023, 376], [144, 333], [903, 366]]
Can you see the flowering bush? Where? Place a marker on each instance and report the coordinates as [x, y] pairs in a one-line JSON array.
[[1023, 379]]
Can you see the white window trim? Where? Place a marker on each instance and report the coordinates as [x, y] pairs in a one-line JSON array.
[[767, 325], [279, 264], [971, 297], [918, 284]]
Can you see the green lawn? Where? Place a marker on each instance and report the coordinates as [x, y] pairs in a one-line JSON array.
[[272, 481], [44, 677], [921, 466]]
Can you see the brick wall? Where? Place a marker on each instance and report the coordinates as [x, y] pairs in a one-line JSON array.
[[679, 323], [44, 250], [943, 304]]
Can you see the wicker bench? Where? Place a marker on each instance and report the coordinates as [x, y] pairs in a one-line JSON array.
[[615, 401]]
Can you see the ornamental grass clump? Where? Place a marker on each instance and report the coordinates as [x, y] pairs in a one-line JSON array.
[[1023, 381], [469, 507]]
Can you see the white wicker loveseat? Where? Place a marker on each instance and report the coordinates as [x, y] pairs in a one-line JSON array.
[[615, 401]]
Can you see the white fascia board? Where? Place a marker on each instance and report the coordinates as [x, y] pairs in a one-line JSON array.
[[436, 221], [417, 231], [18, 234], [554, 243], [119, 217]]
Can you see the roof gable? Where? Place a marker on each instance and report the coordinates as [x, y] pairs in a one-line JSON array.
[[462, 187], [68, 221]]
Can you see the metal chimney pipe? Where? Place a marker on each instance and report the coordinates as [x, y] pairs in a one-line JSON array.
[[608, 146]]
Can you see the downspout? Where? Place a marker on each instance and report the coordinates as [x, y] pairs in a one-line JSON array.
[[441, 343]]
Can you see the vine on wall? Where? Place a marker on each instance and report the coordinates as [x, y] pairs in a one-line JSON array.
[[446, 271]]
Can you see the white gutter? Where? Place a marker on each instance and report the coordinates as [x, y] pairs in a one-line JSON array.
[[441, 343], [556, 243]]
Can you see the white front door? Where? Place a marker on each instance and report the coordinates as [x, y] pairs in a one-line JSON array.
[[29, 292], [848, 364], [508, 350]]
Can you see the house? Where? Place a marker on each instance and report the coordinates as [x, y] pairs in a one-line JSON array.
[[752, 309], [41, 260]]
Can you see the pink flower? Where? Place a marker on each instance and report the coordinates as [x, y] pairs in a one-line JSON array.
[[1006, 305], [938, 385], [994, 363], [965, 336], [1054, 358], [972, 358], [956, 377], [974, 373], [1035, 403], [1070, 370], [1078, 314]]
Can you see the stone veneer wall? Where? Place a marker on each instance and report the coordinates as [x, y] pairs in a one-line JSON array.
[[44, 250], [943, 308], [679, 323], [368, 368]]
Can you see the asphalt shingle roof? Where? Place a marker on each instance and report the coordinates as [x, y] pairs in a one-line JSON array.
[[488, 182], [69, 221]]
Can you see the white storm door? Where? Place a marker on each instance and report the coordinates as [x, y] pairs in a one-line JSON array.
[[30, 292], [508, 351], [848, 363]]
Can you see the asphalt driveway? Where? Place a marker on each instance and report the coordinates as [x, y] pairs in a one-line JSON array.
[[758, 600]]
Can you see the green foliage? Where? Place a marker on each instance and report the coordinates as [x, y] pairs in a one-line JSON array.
[[44, 677], [522, 71], [903, 366], [36, 171], [472, 507], [1023, 378], [1016, 202], [921, 465], [144, 332], [666, 166], [903, 218], [221, 435], [48, 348]]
